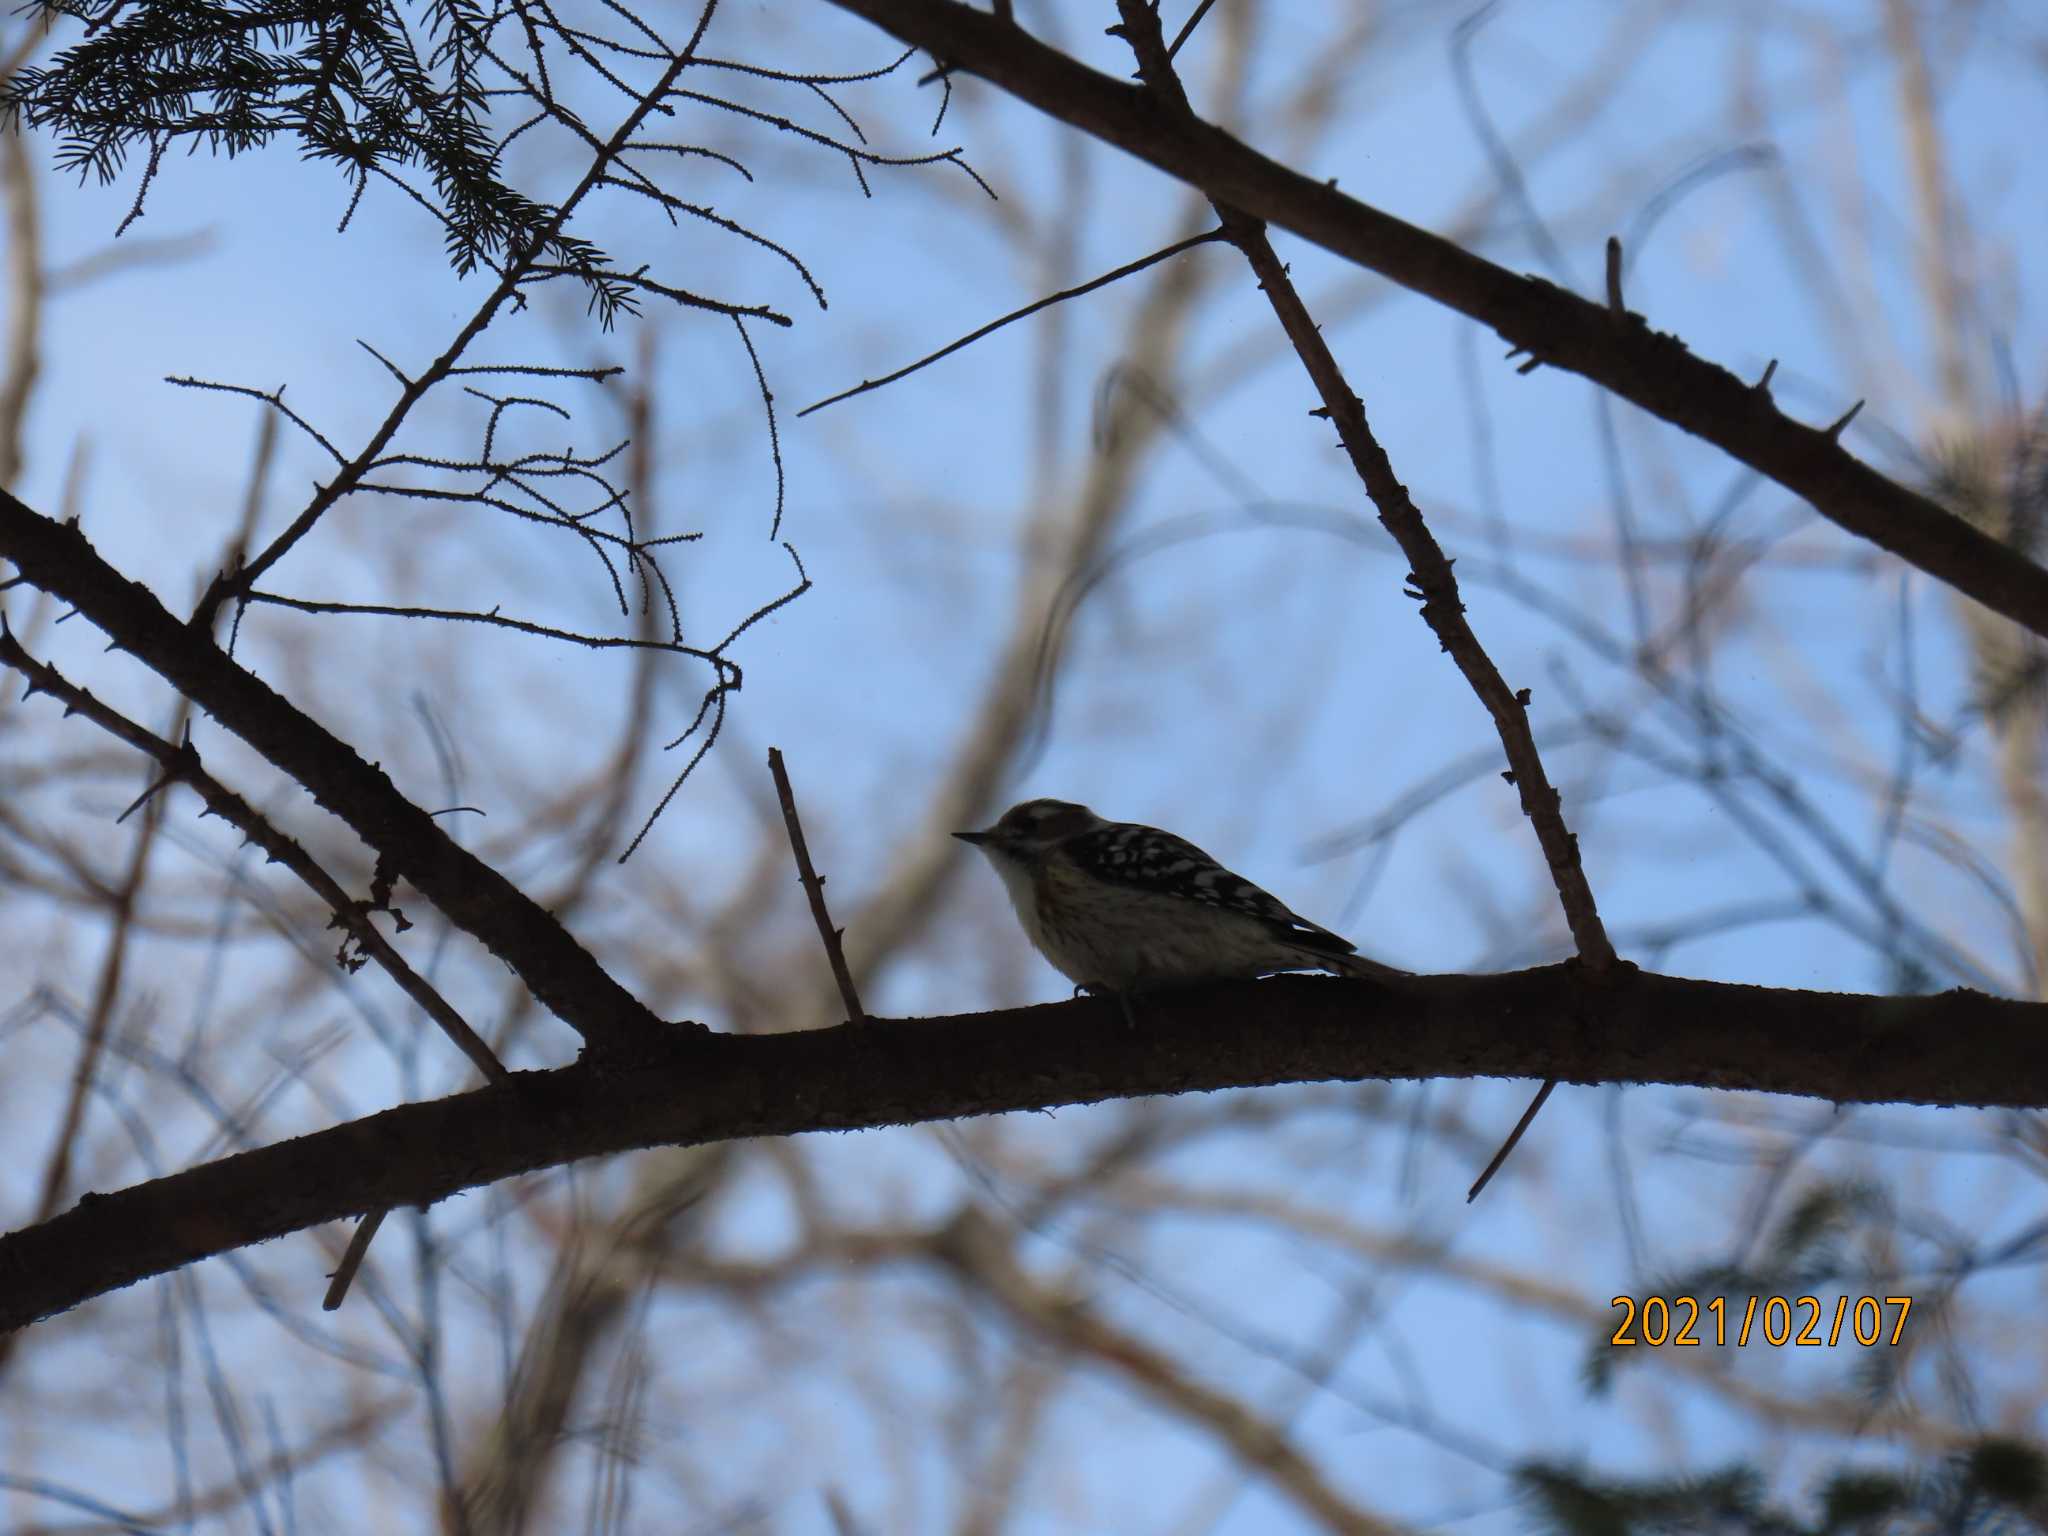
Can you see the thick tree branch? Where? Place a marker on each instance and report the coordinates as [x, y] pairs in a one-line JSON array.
[[1619, 352], [565, 978], [1959, 1048]]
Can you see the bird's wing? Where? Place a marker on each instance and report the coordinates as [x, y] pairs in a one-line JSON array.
[[1126, 853]]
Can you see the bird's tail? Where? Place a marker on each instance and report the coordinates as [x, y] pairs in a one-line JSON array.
[[1361, 966]]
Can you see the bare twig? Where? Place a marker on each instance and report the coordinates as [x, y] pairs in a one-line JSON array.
[[127, 897], [352, 1259], [180, 764], [814, 889], [563, 976], [1514, 1138], [1187, 29], [1018, 314], [498, 620], [1028, 662]]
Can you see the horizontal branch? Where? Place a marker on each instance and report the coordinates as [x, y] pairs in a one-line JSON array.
[[1618, 352], [561, 974], [1959, 1048]]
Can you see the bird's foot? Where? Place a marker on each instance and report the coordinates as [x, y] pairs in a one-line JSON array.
[[1123, 999]]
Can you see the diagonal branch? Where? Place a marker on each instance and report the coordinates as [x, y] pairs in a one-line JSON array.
[[1958, 1048], [562, 974], [1620, 353], [180, 764], [1443, 609]]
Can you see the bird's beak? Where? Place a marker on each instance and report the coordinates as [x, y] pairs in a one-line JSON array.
[[977, 838]]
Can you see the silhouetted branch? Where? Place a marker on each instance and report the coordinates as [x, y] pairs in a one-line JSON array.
[[274, 398], [1127, 270], [493, 619], [475, 897], [524, 265], [814, 889], [1651, 369], [1957, 1048], [352, 1258]]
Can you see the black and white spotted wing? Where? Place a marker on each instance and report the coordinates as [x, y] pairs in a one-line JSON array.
[[1127, 853]]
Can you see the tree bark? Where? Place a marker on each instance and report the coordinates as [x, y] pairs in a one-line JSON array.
[[1958, 1048]]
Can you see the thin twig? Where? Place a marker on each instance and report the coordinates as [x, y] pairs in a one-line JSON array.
[[352, 1259], [1018, 314], [462, 616], [1493, 1164], [1188, 28], [814, 888]]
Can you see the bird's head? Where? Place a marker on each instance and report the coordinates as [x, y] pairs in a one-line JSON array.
[[1027, 830]]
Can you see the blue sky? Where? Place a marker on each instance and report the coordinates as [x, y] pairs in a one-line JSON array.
[[1261, 687]]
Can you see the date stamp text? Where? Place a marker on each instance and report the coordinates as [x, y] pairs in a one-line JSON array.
[[1803, 1321]]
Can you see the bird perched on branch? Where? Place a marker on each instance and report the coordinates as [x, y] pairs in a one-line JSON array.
[[1120, 907]]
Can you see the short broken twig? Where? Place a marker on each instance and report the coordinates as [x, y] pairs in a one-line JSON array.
[[351, 1259], [1514, 1137], [814, 888]]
